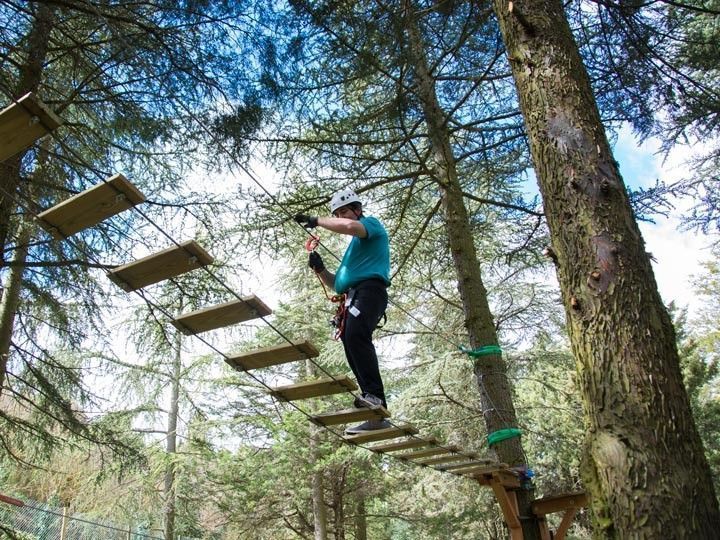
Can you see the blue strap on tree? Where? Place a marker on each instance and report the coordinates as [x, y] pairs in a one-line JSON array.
[[481, 351], [502, 435]]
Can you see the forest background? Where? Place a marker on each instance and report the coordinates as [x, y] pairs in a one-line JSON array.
[[231, 117]]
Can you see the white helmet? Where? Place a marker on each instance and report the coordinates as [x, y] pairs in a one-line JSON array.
[[343, 198]]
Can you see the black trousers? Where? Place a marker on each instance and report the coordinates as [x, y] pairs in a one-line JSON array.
[[368, 303]]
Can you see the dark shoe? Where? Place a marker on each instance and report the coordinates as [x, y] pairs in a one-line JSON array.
[[370, 425], [367, 401]]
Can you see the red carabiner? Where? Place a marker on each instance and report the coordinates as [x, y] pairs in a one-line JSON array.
[[312, 243]]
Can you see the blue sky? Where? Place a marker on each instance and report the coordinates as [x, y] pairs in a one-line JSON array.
[[677, 253]]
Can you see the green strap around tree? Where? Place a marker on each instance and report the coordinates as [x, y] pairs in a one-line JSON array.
[[502, 434], [481, 351]]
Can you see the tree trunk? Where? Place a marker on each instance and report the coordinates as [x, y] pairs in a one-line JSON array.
[[171, 442], [644, 465], [30, 77], [318, 500], [11, 296], [490, 370], [360, 517], [10, 301], [338, 501]]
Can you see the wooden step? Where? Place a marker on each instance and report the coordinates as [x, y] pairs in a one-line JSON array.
[[316, 388], [90, 207], [416, 442], [221, 315], [446, 459], [22, 123], [475, 464], [347, 416], [418, 454], [272, 356], [381, 434], [165, 264]]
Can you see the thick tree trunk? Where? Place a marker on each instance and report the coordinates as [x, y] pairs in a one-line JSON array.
[[171, 442], [490, 370], [30, 77], [644, 463]]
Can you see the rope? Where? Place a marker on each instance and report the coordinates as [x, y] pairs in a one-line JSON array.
[[254, 178]]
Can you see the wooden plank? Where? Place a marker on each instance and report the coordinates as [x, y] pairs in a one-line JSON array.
[[316, 388], [493, 474], [427, 453], [416, 442], [350, 415], [478, 463], [221, 315], [90, 207], [22, 123], [483, 468], [556, 503], [565, 523], [165, 264], [508, 505], [381, 434], [445, 459], [274, 355]]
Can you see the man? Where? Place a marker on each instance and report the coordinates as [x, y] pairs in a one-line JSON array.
[[364, 275]]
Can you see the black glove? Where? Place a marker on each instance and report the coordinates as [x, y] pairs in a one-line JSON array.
[[309, 222], [315, 262]]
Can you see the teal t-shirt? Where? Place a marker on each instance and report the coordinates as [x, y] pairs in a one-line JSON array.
[[365, 258]]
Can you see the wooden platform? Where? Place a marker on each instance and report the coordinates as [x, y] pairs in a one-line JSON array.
[[419, 454], [163, 265], [90, 207], [347, 416], [416, 442], [221, 315], [274, 355], [495, 475], [24, 122], [569, 503], [316, 388]]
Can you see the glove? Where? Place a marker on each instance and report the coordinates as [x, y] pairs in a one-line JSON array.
[[315, 262], [309, 222]]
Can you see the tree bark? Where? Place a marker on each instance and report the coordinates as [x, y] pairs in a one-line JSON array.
[[360, 517], [318, 500], [338, 500], [171, 442], [11, 296], [490, 370], [644, 465]]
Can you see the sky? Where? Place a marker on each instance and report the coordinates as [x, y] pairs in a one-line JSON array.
[[677, 253]]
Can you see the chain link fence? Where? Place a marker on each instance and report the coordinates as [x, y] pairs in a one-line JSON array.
[[24, 519]]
